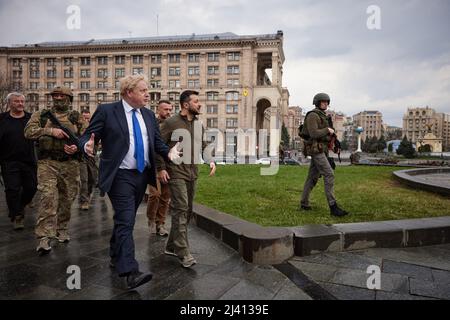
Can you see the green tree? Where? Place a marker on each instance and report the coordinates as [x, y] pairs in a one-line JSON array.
[[406, 148], [425, 148], [391, 147], [381, 144], [285, 136], [366, 145], [344, 144], [373, 145]]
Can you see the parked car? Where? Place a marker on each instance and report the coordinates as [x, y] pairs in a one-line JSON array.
[[264, 161], [225, 160], [289, 161]]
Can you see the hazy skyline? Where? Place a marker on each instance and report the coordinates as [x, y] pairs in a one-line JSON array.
[[327, 44]]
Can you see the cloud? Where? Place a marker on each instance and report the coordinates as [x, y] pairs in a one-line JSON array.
[[327, 44]]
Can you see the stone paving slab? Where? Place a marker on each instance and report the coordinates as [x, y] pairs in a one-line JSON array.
[[406, 273], [221, 273]]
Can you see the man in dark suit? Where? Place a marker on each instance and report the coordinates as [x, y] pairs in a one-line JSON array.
[[130, 138]]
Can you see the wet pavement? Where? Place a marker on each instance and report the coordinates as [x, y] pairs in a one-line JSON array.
[[221, 274]]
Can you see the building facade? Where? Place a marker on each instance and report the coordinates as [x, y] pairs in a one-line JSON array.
[[338, 119], [229, 71], [417, 122], [293, 119], [372, 123]]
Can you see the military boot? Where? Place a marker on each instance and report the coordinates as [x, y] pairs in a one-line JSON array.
[[63, 236], [336, 211], [44, 246], [18, 223]]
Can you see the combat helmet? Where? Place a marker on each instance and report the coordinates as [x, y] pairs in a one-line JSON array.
[[320, 97]]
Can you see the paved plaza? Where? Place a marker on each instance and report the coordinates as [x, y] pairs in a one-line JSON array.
[[221, 274]]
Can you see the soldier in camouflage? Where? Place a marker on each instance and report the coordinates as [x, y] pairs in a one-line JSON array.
[[316, 135], [58, 168]]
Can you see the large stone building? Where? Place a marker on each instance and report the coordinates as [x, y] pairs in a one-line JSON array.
[[292, 121], [417, 122], [372, 123], [229, 71]]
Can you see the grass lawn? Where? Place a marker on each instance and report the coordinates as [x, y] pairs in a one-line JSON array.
[[368, 193]]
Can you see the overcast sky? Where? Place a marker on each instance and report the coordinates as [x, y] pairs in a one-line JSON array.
[[327, 44]]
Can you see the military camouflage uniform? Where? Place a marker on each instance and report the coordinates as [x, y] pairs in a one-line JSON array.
[[58, 173]]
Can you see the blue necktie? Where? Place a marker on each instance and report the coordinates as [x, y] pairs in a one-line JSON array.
[[138, 144]]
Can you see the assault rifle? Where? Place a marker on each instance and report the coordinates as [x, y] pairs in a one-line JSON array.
[[73, 139], [334, 144]]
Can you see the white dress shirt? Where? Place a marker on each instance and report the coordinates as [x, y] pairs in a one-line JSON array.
[[129, 162]]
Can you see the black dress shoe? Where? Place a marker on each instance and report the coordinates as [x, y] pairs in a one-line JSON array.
[[137, 279]]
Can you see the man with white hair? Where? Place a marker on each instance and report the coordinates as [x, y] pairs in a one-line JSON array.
[[17, 159]]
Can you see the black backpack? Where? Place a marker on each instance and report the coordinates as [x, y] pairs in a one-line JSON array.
[[302, 130]]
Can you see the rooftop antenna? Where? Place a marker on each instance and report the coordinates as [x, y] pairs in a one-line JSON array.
[[157, 24]]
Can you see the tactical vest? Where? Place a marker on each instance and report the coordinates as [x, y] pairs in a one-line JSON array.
[[303, 130], [314, 146], [52, 148]]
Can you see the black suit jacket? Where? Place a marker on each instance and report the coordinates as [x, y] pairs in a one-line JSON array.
[[109, 124]]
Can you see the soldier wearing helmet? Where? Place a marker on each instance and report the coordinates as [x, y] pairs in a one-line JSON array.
[[58, 167], [316, 135]]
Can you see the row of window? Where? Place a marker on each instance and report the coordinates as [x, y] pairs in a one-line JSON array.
[[86, 85], [155, 96], [191, 84], [136, 59], [214, 123], [120, 72]]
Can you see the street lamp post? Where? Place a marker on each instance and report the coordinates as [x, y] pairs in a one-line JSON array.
[[359, 130]]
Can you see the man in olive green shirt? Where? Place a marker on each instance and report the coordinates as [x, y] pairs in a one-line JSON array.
[[182, 176], [316, 137]]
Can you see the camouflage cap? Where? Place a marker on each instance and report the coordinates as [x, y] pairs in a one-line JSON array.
[[62, 90]]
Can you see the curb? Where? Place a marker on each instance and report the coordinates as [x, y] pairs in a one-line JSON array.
[[408, 177], [274, 245]]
